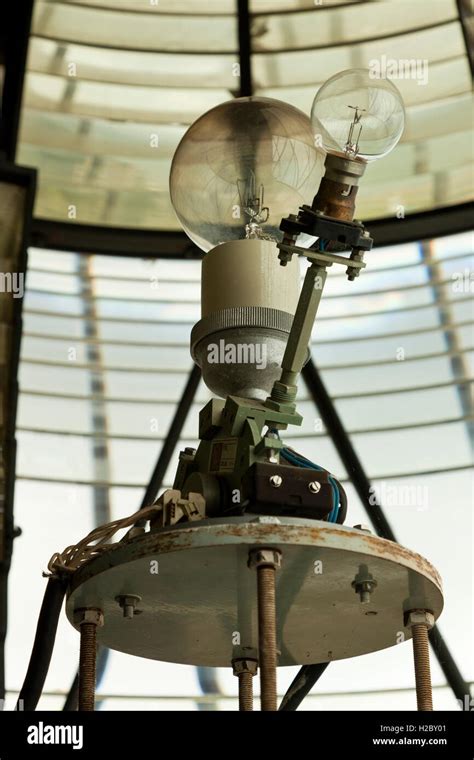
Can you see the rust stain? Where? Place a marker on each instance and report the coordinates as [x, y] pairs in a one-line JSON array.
[[381, 547], [392, 550], [177, 539], [137, 548]]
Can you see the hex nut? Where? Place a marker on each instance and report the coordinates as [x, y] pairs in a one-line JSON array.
[[244, 666], [88, 615], [364, 589], [128, 603], [419, 617], [264, 558]]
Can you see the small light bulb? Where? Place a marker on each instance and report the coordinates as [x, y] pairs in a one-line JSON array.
[[358, 116]]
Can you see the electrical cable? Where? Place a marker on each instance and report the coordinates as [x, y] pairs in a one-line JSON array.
[[149, 497], [96, 542], [303, 682], [209, 684], [300, 461], [43, 644], [342, 505], [61, 564]]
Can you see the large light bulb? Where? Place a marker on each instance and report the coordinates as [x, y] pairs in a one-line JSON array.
[[240, 168], [357, 115]]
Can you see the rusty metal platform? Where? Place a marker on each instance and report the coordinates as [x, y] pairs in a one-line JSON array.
[[198, 597]]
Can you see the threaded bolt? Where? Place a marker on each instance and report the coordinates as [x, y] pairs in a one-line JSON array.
[[87, 667], [363, 584], [421, 656], [420, 621], [245, 692], [89, 620], [128, 603], [267, 637], [245, 670], [266, 562]]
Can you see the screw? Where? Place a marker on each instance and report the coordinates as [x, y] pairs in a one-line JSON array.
[[285, 256], [314, 486], [272, 434], [128, 604], [364, 590], [272, 456], [276, 481], [363, 584], [353, 272]]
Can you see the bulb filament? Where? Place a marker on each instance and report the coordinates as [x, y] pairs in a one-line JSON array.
[[253, 205], [351, 147]]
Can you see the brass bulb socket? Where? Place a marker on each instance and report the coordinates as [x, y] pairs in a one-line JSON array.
[[338, 189]]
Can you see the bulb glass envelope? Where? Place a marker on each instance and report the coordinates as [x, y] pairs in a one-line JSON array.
[[358, 114], [240, 168]]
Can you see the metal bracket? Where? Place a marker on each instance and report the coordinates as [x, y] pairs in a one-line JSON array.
[[342, 233], [174, 507], [322, 258]]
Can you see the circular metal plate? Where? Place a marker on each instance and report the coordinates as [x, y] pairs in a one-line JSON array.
[[198, 596]]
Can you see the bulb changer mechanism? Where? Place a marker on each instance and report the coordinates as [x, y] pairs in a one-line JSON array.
[[225, 575], [237, 468]]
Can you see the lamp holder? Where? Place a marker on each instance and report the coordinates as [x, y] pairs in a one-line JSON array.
[[339, 235], [337, 191], [236, 468]]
